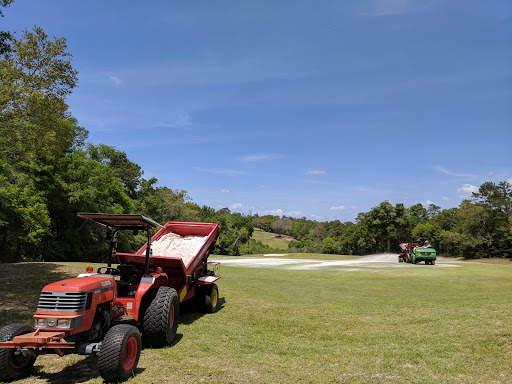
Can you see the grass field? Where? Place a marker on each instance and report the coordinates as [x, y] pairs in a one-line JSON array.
[[449, 323], [270, 239]]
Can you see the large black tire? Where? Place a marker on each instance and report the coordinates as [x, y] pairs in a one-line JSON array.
[[433, 262], [119, 353], [211, 298], [160, 316], [13, 366]]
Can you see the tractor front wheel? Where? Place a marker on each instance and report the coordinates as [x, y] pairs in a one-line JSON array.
[[160, 316], [119, 353], [13, 364]]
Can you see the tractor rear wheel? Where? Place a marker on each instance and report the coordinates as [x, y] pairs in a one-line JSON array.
[[119, 353], [13, 364], [160, 316], [211, 298]]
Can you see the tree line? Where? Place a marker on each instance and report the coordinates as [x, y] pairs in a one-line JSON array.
[[49, 172], [480, 227]]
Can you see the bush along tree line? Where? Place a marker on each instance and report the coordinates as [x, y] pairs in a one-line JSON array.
[[480, 227], [49, 172]]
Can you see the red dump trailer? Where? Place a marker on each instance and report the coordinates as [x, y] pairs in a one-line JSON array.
[[188, 271], [110, 312]]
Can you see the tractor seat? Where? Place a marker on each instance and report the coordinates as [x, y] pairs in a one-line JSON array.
[[126, 271]]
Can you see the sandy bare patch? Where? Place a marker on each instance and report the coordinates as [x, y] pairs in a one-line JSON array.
[[375, 262], [275, 254]]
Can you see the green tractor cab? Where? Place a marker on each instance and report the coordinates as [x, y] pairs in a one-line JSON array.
[[414, 253], [419, 254]]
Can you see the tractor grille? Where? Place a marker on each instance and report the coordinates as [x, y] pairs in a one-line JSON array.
[[56, 301]]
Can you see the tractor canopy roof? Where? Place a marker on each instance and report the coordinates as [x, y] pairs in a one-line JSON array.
[[128, 222]]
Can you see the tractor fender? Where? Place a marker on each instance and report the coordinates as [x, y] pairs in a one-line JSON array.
[[146, 283]]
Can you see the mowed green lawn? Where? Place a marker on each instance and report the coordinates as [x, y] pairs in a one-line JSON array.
[[416, 324], [271, 239]]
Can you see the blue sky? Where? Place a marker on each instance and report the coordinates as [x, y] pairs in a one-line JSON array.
[[321, 109]]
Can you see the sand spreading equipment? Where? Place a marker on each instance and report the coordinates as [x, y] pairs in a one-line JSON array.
[[111, 312]]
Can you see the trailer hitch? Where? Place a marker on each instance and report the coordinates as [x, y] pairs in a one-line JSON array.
[[88, 348]]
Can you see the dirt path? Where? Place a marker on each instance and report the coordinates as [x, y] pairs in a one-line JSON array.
[[372, 262]]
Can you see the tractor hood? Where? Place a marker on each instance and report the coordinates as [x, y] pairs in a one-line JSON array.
[[80, 284]]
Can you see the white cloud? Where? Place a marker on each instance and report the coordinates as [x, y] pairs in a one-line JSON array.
[[207, 72], [444, 198], [428, 202], [294, 214], [181, 120], [315, 172], [260, 157], [236, 207], [225, 190], [275, 212], [394, 7], [218, 171], [509, 181], [466, 191], [451, 173], [116, 80], [338, 208]]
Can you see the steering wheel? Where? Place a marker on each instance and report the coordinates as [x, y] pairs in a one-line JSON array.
[[110, 271]]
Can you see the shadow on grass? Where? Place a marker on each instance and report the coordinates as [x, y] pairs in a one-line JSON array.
[[80, 372], [21, 286], [189, 311]]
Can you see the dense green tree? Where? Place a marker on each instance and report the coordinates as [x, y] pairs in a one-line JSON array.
[[36, 132], [388, 223], [430, 230], [4, 35], [264, 222], [328, 245], [496, 199], [417, 214], [282, 226]]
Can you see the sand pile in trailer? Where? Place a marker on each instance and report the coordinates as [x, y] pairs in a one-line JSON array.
[[174, 245]]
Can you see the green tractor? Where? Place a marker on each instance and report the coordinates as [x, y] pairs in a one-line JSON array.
[[414, 253]]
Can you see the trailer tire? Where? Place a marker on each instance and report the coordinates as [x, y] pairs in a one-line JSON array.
[[433, 262], [211, 298], [14, 367], [119, 353], [160, 316]]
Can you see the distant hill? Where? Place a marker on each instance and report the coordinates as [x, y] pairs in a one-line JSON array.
[[272, 239]]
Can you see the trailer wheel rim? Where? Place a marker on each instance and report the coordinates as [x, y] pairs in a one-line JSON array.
[[130, 353], [215, 296]]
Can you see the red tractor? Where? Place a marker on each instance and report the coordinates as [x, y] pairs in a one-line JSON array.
[[113, 311]]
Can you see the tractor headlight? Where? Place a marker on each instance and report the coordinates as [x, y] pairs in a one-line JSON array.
[[41, 323], [58, 323], [64, 323]]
